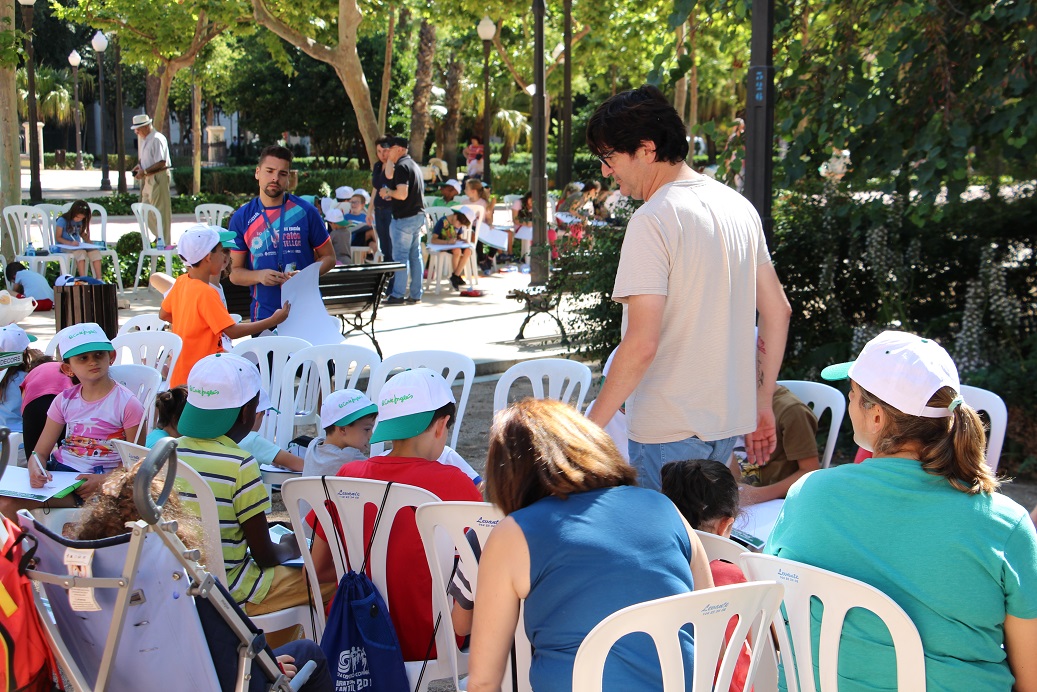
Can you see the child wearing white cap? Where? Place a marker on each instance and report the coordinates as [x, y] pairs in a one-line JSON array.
[[223, 392], [15, 360], [347, 419], [194, 309], [922, 522], [415, 410], [450, 230], [93, 412]]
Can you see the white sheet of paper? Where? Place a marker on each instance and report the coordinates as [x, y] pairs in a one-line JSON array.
[[759, 519], [15, 483], [524, 233], [440, 247], [308, 318], [84, 246], [494, 237]]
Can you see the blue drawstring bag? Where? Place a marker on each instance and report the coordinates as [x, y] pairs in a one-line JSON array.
[[360, 641]]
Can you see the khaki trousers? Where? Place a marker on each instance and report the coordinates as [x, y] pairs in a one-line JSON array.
[[156, 192]]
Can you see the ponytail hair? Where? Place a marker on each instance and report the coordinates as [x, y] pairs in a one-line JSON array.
[[953, 447], [703, 490], [169, 405]]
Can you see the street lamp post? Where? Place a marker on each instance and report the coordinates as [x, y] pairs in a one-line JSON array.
[[541, 254], [486, 30], [35, 187], [74, 60], [565, 158], [100, 43]]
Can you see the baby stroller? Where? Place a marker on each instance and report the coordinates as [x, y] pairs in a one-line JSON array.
[[136, 611]]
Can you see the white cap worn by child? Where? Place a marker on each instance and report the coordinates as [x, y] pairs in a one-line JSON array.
[[343, 193], [360, 192], [334, 216], [82, 338], [197, 242], [217, 387], [13, 342], [407, 402], [456, 184], [468, 213], [343, 407], [904, 370]]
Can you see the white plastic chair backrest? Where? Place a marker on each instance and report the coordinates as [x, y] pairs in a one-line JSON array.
[[720, 548], [449, 364], [436, 213], [710, 611], [350, 496], [838, 594], [510, 199], [271, 354], [52, 346], [20, 219], [158, 350], [442, 526], [103, 213], [144, 382], [307, 378], [143, 323], [212, 214], [997, 412], [142, 212], [819, 397], [51, 212], [192, 487], [130, 452], [567, 381]]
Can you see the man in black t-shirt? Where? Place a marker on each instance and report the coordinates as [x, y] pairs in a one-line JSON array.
[[405, 189]]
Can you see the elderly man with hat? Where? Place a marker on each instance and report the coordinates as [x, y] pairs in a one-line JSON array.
[[152, 171]]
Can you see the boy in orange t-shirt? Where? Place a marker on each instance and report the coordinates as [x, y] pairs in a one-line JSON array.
[[193, 305]]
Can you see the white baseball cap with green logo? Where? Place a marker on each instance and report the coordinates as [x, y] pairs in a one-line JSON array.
[[82, 338], [407, 402], [343, 407], [217, 387]]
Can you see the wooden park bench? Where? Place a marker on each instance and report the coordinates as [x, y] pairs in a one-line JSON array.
[[352, 293]]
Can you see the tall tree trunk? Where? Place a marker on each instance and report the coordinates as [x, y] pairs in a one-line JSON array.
[[196, 138], [10, 163], [452, 121], [383, 103], [680, 95], [422, 90], [693, 80], [165, 81]]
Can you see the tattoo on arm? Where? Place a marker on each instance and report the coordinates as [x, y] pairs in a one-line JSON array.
[[761, 351]]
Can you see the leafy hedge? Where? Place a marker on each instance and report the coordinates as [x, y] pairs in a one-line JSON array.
[[853, 265], [241, 180], [50, 161]]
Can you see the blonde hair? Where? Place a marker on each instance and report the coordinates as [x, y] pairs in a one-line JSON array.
[[953, 447], [483, 193], [541, 447]]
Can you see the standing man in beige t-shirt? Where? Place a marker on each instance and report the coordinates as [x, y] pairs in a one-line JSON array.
[[694, 274], [152, 170]]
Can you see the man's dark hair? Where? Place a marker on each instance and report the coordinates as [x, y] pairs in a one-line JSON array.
[[627, 119], [399, 142], [12, 270], [385, 141], [277, 151]]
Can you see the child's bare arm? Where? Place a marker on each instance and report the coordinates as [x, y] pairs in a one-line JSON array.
[[237, 331]]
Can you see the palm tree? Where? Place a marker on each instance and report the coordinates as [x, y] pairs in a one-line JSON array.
[[514, 128], [53, 94]]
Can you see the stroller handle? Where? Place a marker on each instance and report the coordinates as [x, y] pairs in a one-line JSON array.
[[149, 510], [5, 448]]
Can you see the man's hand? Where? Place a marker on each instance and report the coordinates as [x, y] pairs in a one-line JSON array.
[[269, 277], [281, 315], [759, 445], [91, 484]]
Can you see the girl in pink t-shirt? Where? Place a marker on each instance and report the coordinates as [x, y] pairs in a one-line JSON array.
[[94, 411]]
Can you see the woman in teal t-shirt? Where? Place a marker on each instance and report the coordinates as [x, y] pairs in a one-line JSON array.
[[922, 521]]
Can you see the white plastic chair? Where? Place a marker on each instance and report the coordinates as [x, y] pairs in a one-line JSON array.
[[350, 497], [720, 548], [838, 594], [442, 526], [271, 354], [710, 611], [821, 397], [51, 212], [144, 382], [106, 251], [158, 350], [212, 214], [566, 379], [210, 521], [449, 364], [143, 323], [20, 220], [307, 379], [142, 212], [997, 412]]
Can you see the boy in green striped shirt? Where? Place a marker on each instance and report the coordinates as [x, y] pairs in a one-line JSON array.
[[223, 393]]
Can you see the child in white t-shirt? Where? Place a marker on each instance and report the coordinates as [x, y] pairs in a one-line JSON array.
[[347, 417], [265, 451]]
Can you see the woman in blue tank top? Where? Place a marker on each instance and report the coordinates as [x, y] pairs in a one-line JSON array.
[[580, 541]]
